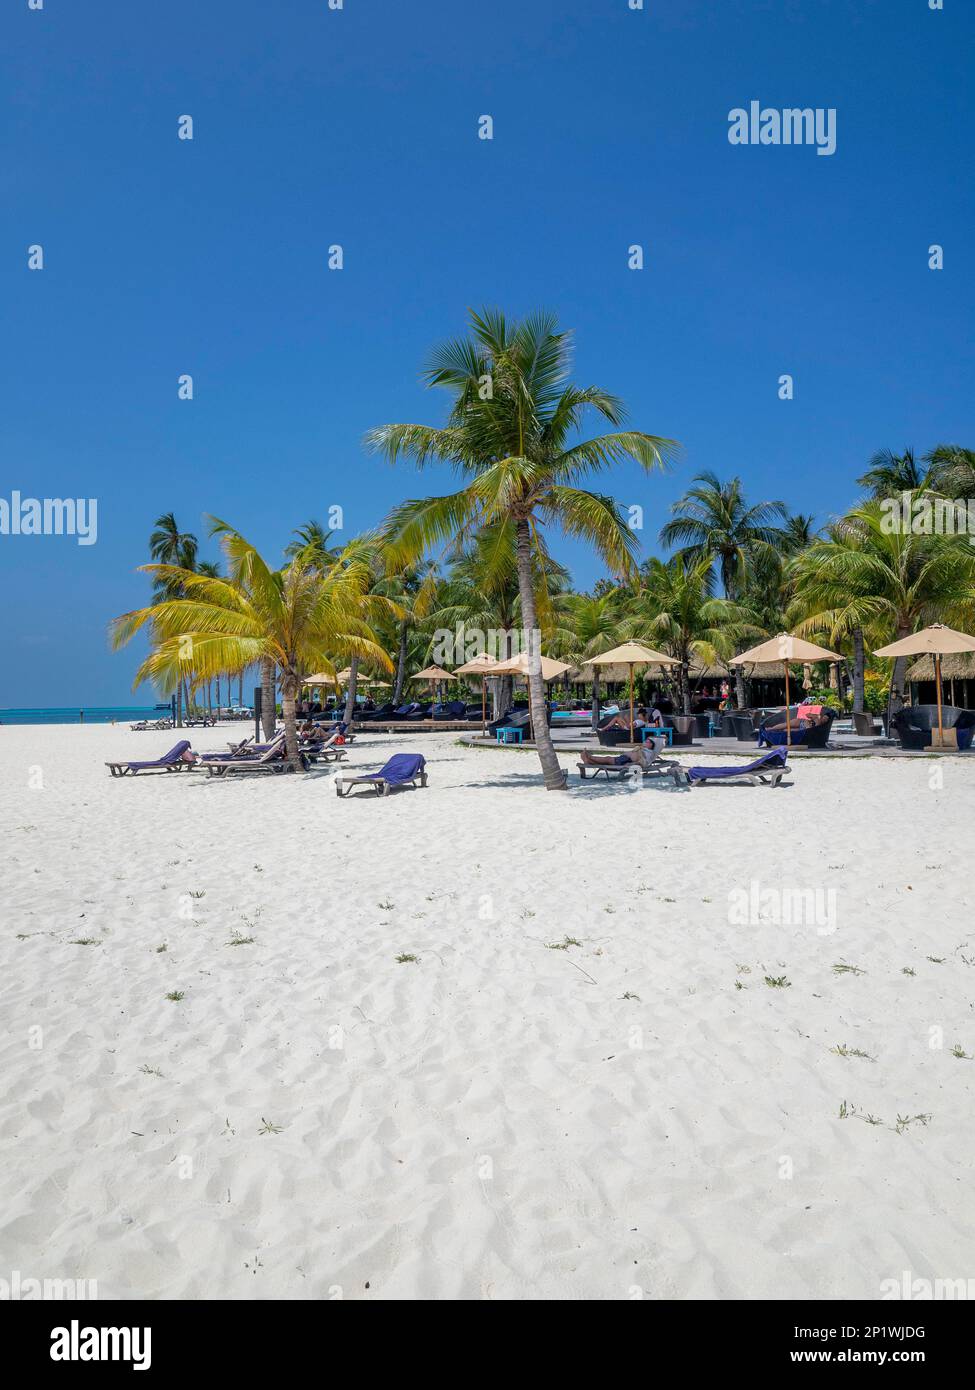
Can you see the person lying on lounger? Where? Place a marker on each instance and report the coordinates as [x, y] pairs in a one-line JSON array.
[[311, 733], [640, 757], [805, 721]]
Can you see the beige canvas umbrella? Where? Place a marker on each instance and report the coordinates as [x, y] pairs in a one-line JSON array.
[[433, 674], [784, 648], [632, 654], [938, 641], [481, 665], [521, 664]]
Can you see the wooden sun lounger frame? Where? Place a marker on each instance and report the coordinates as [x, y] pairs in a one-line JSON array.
[[659, 768]]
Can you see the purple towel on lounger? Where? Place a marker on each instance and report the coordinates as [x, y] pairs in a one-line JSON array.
[[402, 767], [776, 758], [174, 755]]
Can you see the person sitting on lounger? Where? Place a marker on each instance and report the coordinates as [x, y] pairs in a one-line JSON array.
[[311, 733]]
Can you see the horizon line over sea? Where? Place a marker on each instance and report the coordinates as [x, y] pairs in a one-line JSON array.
[[79, 714]]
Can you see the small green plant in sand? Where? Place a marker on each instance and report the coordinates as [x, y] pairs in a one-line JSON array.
[[407, 958], [238, 939], [198, 893], [149, 1071], [628, 995], [176, 995], [562, 945], [937, 960], [161, 948], [778, 982], [841, 1050], [841, 968], [85, 941], [906, 970], [904, 1122], [386, 906], [268, 1128], [739, 985], [959, 1052], [743, 969]]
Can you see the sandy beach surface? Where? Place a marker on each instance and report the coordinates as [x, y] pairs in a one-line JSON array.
[[582, 1087]]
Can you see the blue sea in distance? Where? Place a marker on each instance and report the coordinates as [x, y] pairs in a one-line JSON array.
[[76, 714]]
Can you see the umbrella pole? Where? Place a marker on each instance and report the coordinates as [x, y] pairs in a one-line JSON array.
[[631, 703], [937, 677], [788, 723], [484, 706]]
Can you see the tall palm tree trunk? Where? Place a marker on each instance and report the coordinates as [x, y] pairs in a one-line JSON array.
[[555, 776], [289, 691], [350, 693], [400, 665], [268, 713], [595, 699], [858, 670]]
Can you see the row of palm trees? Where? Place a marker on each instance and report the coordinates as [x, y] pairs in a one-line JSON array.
[[478, 557]]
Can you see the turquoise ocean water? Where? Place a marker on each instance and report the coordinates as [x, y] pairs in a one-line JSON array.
[[78, 714]]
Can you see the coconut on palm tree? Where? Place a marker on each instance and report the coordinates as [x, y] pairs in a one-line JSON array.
[[291, 617], [512, 436]]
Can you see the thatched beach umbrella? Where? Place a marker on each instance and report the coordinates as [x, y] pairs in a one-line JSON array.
[[784, 648], [632, 654], [433, 674], [938, 641], [481, 665]]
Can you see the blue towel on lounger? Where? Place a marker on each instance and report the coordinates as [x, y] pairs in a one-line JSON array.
[[402, 767], [768, 763], [174, 755]]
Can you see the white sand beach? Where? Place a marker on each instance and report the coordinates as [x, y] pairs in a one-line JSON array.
[[494, 1119]]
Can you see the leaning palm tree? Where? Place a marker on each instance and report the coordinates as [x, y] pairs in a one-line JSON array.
[[868, 579], [292, 617], [512, 437], [713, 519]]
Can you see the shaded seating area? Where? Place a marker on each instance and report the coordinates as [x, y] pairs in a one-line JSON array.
[[802, 734], [914, 725]]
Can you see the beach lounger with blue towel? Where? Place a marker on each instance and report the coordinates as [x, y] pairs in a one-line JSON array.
[[767, 770], [402, 770], [173, 761]]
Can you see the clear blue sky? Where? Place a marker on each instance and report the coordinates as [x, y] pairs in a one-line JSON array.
[[360, 127]]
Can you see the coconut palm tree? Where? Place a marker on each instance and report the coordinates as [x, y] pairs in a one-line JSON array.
[[292, 617], [512, 437], [713, 519], [865, 579], [676, 613], [597, 622], [314, 539], [168, 545], [890, 473], [951, 470]]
